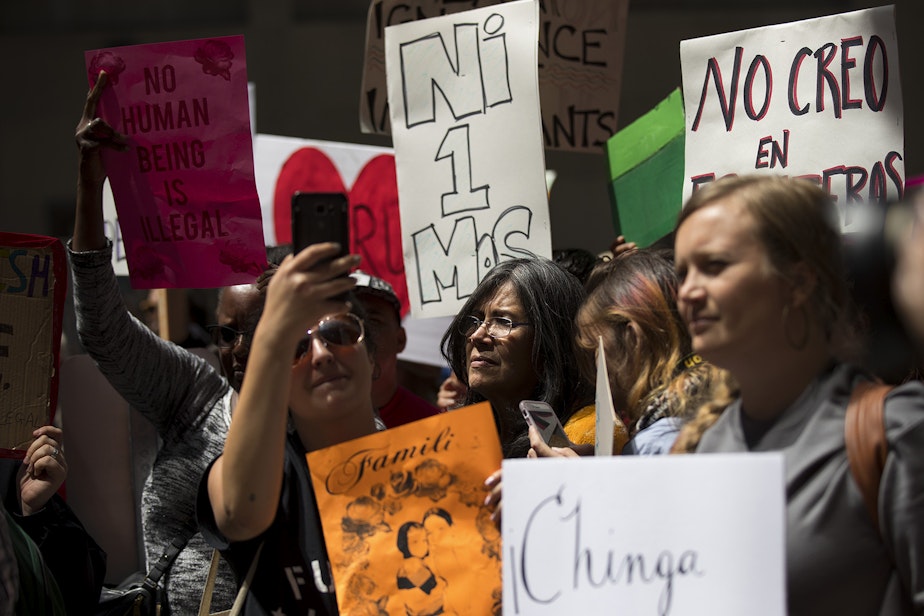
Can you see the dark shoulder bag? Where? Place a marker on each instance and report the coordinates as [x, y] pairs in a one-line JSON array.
[[141, 594]]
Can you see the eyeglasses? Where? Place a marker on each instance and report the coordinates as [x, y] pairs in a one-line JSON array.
[[227, 337], [497, 327], [339, 330]]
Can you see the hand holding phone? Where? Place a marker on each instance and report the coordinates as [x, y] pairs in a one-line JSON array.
[[319, 218], [542, 417]]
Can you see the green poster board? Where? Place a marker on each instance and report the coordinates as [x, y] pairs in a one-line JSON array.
[[646, 172]]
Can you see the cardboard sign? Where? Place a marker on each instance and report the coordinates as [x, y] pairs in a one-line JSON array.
[[185, 194], [679, 535], [33, 283], [468, 147], [114, 231], [819, 98], [403, 516], [580, 65], [606, 412], [581, 47], [646, 172], [423, 340]]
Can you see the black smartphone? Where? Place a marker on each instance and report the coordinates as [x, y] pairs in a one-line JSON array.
[[320, 217]]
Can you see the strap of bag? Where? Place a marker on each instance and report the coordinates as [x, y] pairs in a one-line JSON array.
[[865, 438], [206, 603], [164, 562], [238, 605]]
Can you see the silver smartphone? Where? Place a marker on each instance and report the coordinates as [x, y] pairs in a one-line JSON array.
[[541, 416]]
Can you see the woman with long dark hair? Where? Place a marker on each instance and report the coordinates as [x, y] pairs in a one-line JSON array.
[[513, 341]]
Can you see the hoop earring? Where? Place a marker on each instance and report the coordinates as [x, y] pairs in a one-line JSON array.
[[800, 342]]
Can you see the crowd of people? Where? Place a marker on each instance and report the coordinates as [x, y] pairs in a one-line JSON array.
[[742, 338]]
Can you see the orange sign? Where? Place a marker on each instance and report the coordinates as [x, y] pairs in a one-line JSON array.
[[403, 517]]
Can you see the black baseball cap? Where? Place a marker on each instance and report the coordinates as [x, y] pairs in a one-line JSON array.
[[371, 285]]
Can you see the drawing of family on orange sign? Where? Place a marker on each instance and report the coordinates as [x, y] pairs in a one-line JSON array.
[[421, 587]]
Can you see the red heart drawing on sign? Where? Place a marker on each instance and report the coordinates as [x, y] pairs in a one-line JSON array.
[[375, 224]]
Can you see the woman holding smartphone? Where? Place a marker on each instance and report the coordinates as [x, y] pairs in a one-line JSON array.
[[309, 381], [513, 341]]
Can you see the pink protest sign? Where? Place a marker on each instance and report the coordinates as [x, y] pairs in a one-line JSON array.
[[185, 190]]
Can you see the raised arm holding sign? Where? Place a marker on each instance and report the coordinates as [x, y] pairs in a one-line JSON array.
[[186, 399], [185, 192]]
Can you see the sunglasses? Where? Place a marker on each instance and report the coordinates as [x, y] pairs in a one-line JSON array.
[[337, 330], [227, 337]]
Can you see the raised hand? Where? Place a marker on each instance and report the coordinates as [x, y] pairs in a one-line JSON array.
[[43, 469], [94, 133]]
